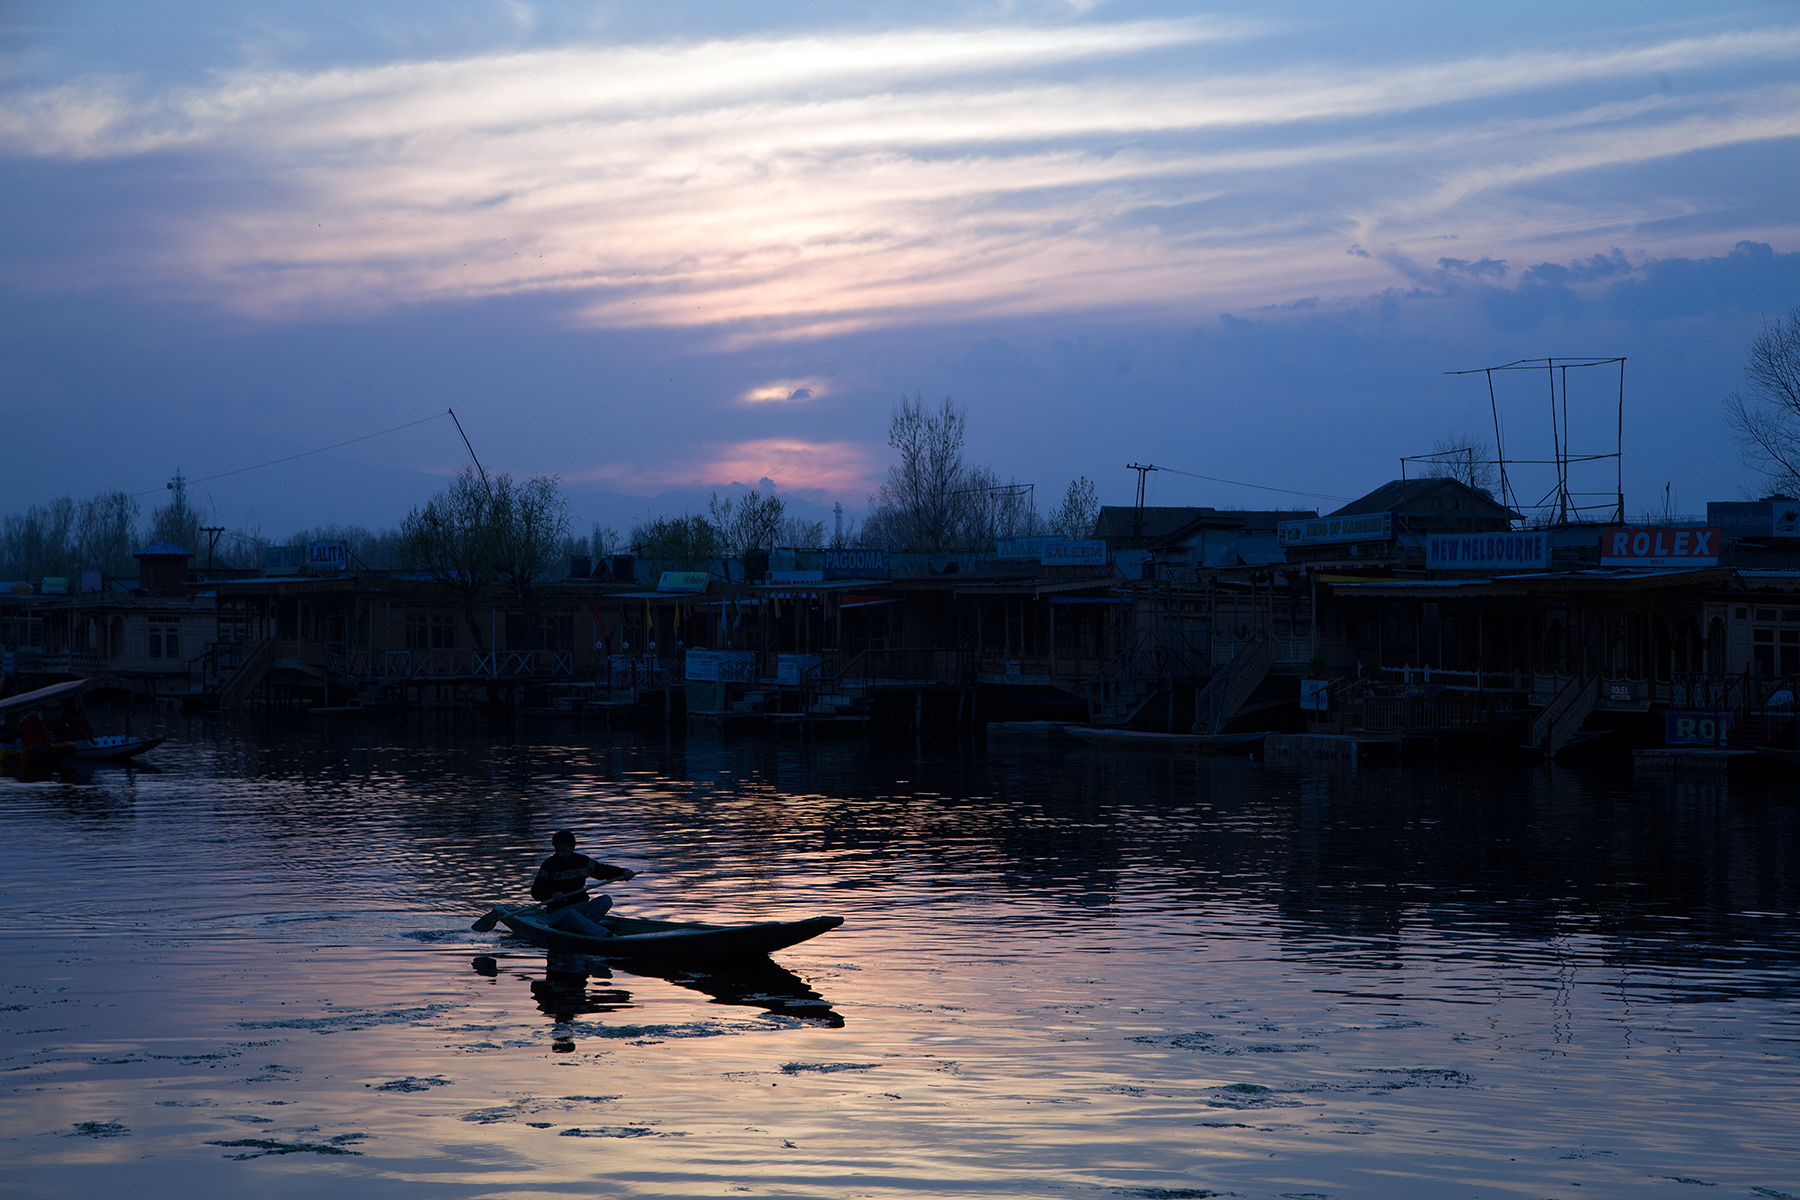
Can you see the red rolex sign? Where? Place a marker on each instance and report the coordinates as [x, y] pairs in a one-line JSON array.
[[1654, 546]]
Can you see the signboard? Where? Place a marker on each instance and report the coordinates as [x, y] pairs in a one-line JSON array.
[[1695, 728], [683, 581], [1029, 549], [1323, 531], [1755, 518], [1313, 695], [1661, 547], [54, 585], [796, 577], [791, 668], [856, 564], [1015, 680], [721, 666], [283, 559], [331, 556], [1620, 692], [1486, 551], [1060, 553]]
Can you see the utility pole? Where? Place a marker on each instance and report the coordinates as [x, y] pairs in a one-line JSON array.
[[1137, 524], [212, 533]]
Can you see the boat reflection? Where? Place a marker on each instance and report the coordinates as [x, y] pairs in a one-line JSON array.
[[566, 990]]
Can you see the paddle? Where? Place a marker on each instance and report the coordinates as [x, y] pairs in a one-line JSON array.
[[486, 921], [492, 917]]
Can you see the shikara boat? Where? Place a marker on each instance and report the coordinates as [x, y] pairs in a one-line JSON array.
[[667, 940], [1140, 739], [63, 703]]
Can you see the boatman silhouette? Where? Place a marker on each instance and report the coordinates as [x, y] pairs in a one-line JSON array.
[[561, 886]]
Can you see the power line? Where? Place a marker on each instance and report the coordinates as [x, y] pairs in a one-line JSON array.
[[1240, 483], [303, 454]]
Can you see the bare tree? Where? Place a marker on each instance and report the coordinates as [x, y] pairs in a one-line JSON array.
[[687, 543], [921, 504], [63, 537], [1466, 456], [177, 521], [1766, 422], [932, 500], [752, 522], [1080, 508], [800, 534], [843, 529]]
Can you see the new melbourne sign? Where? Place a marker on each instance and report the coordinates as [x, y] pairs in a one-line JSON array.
[[1661, 547], [1486, 551]]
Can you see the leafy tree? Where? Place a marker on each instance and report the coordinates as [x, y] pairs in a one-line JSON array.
[[1080, 508], [1765, 423], [451, 539], [530, 521]]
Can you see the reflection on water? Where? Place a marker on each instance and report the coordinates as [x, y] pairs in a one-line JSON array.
[[1062, 972], [567, 988]]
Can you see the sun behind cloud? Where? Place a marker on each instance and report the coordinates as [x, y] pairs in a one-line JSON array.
[[786, 391]]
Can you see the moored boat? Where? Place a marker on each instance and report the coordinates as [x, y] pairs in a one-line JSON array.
[[59, 712], [637, 938], [1144, 740]]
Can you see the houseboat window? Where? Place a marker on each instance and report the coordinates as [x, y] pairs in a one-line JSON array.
[[171, 642], [1765, 614], [155, 642], [1790, 651], [1762, 653], [1790, 614], [1742, 613]]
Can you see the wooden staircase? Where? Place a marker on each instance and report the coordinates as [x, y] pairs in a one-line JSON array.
[[1118, 691], [248, 676], [1226, 691], [1561, 719]]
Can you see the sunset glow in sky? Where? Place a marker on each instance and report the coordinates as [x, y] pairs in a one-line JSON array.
[[663, 249]]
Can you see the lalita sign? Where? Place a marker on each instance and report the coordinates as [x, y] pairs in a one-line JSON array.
[[1661, 547]]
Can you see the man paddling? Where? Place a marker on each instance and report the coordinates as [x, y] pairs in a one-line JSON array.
[[561, 886]]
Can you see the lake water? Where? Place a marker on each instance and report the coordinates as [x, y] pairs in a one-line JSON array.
[[1062, 973]]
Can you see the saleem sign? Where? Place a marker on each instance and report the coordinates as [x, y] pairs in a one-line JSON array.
[[1486, 551], [1073, 554], [1661, 547], [1365, 527]]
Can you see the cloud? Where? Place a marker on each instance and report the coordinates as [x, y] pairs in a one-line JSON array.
[[805, 187], [793, 464], [786, 391]]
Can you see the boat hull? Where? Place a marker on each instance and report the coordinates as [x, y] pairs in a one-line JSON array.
[[102, 749], [666, 940], [1140, 740]]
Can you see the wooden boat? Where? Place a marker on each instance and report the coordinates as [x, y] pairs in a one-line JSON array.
[[1142, 740], [63, 702], [114, 747], [636, 938]]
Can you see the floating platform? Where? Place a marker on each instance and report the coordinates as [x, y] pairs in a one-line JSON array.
[[1325, 749], [1691, 759]]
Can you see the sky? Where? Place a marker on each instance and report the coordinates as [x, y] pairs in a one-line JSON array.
[[662, 250]]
